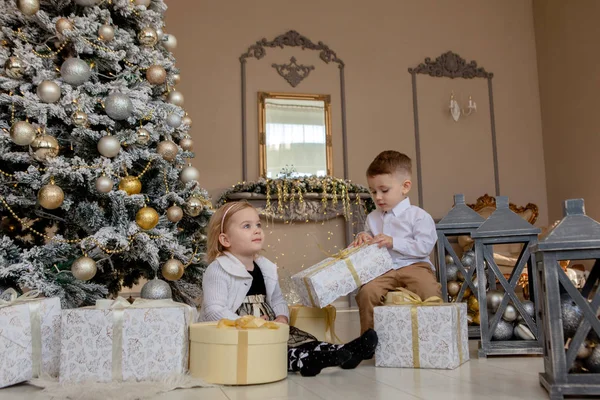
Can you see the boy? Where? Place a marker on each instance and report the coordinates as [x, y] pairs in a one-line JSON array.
[[408, 232]]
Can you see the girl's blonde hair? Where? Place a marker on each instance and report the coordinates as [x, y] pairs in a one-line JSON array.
[[218, 224]]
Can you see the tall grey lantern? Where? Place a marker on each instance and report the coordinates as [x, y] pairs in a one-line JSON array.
[[567, 313], [460, 220], [509, 327]]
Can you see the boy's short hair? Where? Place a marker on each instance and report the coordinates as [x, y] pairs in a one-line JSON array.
[[388, 162]]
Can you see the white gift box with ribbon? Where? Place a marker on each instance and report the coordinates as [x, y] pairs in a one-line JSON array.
[[146, 340], [29, 336]]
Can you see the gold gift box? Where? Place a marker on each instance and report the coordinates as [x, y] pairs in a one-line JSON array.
[[230, 356], [319, 322]]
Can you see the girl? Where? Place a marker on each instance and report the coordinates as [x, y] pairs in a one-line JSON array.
[[239, 282]]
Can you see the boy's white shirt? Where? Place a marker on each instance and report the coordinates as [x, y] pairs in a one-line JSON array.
[[226, 283], [412, 230]]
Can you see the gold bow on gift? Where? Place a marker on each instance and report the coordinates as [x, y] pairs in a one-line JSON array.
[[246, 322], [405, 297]]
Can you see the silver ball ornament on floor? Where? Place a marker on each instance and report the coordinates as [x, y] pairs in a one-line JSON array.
[[187, 143], [451, 272], [189, 174], [75, 71], [104, 184], [87, 3], [44, 147], [493, 299], [468, 259], [63, 24], [28, 7], [156, 289], [169, 41], [571, 315], [156, 75], [22, 133], [84, 268], [504, 331], [148, 36], [14, 67], [193, 206], [523, 332], [510, 313], [106, 33], [176, 98], [48, 91], [167, 149], [459, 274], [529, 309], [173, 120], [174, 213], [172, 269], [118, 106], [109, 146], [142, 136]]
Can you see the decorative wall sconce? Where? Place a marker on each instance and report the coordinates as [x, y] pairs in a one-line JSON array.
[[456, 110]]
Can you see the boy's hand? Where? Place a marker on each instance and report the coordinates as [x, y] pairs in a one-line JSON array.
[[281, 319], [361, 238], [383, 241]]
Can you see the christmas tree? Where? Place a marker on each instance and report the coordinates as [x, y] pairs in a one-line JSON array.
[[95, 188]]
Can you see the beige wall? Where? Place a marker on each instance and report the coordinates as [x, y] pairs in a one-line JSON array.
[[378, 41], [569, 74]]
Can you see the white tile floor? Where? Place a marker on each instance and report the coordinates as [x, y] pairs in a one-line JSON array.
[[492, 378]]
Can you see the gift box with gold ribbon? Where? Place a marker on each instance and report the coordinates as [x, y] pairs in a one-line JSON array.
[[29, 336], [319, 322], [119, 341], [416, 333], [323, 283], [243, 352]]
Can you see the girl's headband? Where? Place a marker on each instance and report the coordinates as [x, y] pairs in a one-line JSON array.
[[224, 215]]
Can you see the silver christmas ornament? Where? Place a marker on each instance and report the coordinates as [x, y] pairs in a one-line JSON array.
[[510, 313], [529, 309], [468, 259], [169, 42], [173, 120], [193, 206], [28, 7], [188, 121], [109, 146], [156, 75], [44, 147], [176, 79], [449, 259], [592, 362], [493, 299], [106, 33], [118, 106], [174, 213], [453, 288], [22, 133], [79, 118], [167, 149], [84, 268], [63, 24], [475, 281], [142, 136], [571, 315], [48, 91], [104, 184], [156, 289], [75, 71], [186, 143], [523, 332], [504, 331], [451, 272], [176, 98], [87, 3], [189, 174], [145, 3], [148, 37], [14, 67], [585, 350]]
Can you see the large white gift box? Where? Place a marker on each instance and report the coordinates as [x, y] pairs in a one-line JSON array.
[[29, 337], [422, 335], [147, 340], [323, 283]]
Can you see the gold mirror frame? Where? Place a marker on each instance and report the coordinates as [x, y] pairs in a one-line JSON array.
[[262, 131]]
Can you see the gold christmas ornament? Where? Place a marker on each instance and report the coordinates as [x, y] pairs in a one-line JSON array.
[[22, 133], [176, 98], [51, 196], [186, 120], [156, 75], [176, 78], [28, 7], [63, 24], [476, 319], [147, 218], [187, 143], [106, 33], [473, 304], [169, 41], [172, 269], [174, 213], [14, 67], [131, 185], [148, 37], [44, 147], [453, 288], [84, 268], [167, 149], [79, 118], [48, 91], [194, 206], [142, 136]]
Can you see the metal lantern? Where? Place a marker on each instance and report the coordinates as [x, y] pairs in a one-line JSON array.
[[576, 237], [505, 227], [460, 220]]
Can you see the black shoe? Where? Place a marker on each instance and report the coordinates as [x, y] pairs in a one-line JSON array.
[[317, 360], [362, 348]]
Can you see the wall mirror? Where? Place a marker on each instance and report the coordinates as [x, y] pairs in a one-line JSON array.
[[295, 137]]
